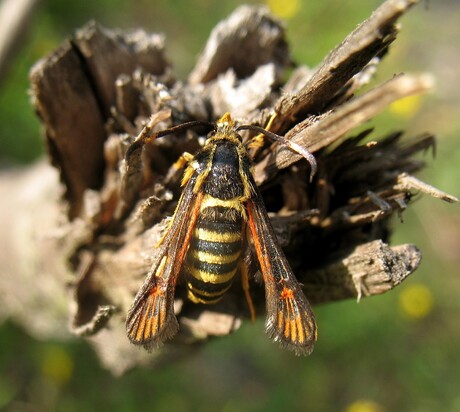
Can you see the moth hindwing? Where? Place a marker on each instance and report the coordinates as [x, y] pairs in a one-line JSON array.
[[220, 214]]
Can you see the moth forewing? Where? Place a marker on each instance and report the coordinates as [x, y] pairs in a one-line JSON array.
[[151, 318], [290, 320]]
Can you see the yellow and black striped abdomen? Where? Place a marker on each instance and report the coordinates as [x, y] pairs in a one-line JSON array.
[[215, 251]]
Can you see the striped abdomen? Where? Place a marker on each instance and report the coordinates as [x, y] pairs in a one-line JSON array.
[[215, 250]]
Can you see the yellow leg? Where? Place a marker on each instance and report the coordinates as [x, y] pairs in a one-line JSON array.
[[258, 141], [182, 161], [177, 166]]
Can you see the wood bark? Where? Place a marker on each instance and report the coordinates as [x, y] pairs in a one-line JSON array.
[[89, 239]]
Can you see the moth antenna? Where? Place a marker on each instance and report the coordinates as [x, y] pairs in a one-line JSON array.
[[146, 137], [292, 145]]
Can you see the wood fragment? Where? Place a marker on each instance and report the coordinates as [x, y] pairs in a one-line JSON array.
[[74, 122], [370, 269], [370, 39], [407, 182], [252, 32], [324, 130]]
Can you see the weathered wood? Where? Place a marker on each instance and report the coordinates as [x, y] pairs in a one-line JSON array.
[[317, 132], [73, 91], [369, 40], [74, 125], [370, 269], [250, 38]]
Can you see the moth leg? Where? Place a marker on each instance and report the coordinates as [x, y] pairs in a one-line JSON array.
[[184, 159], [257, 141], [245, 283], [177, 166]]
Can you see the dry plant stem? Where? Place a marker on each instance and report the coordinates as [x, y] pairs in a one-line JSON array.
[[407, 182], [15, 16], [317, 133], [368, 40]]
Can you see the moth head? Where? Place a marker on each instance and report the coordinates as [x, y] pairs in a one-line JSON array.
[[225, 130]]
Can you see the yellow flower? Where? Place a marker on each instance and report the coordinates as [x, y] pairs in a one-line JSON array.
[[416, 301], [364, 405], [57, 365], [284, 9], [406, 107]]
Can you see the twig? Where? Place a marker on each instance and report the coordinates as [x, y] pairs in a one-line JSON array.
[[15, 16]]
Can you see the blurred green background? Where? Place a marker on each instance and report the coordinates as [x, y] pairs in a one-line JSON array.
[[395, 352]]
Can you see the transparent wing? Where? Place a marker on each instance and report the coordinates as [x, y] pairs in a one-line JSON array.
[[151, 318], [290, 320]]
